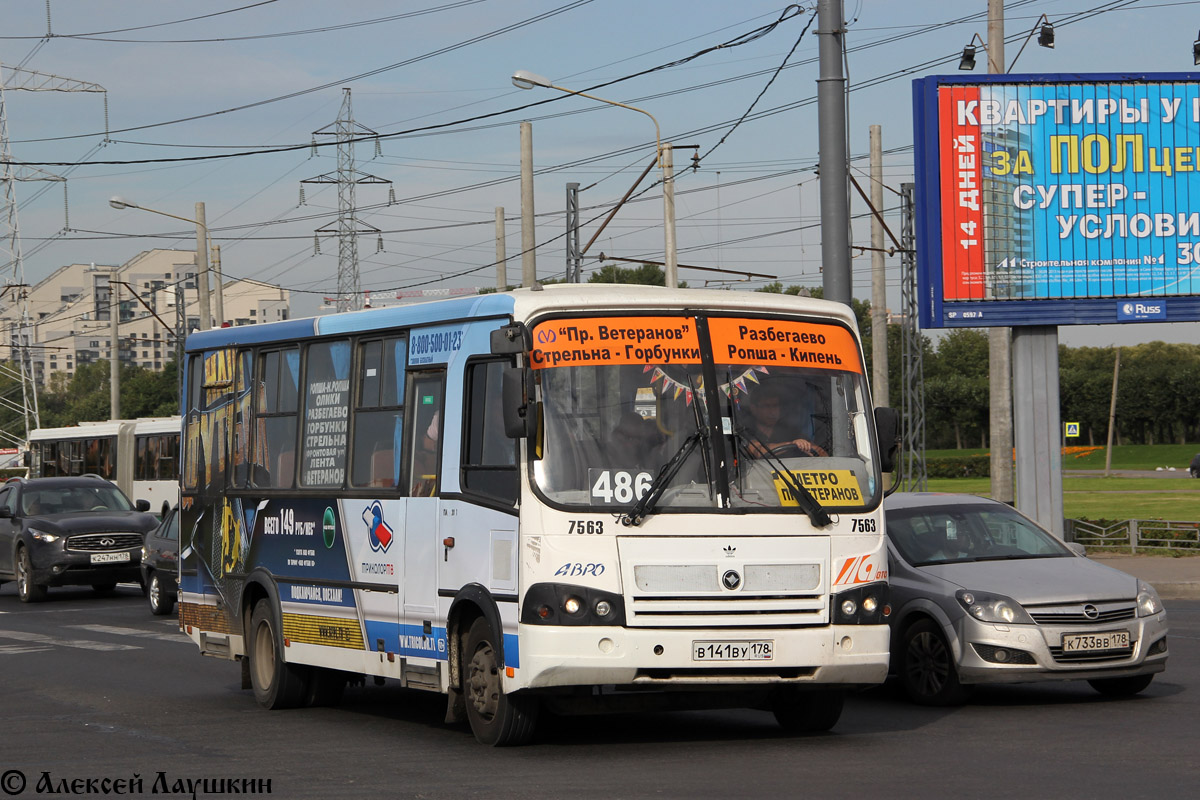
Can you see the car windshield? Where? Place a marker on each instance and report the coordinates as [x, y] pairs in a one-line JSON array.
[[40, 501], [957, 533], [624, 396]]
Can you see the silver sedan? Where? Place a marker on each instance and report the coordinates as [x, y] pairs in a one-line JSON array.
[[981, 594]]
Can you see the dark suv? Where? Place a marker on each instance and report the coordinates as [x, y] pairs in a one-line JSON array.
[[69, 531]]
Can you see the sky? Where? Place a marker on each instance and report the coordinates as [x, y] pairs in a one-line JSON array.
[[183, 80]]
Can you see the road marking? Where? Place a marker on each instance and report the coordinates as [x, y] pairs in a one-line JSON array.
[[82, 644], [119, 631], [12, 649]]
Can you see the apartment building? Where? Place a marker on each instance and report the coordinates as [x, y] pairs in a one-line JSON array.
[[70, 311]]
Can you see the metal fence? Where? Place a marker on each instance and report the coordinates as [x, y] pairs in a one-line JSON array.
[[1135, 533]]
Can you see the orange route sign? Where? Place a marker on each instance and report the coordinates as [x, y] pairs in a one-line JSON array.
[[614, 341], [784, 343]]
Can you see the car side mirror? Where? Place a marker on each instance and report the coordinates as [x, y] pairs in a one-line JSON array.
[[1076, 548], [5, 512], [142, 505], [520, 409], [887, 428]]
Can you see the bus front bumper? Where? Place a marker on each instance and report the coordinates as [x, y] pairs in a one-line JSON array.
[[849, 656]]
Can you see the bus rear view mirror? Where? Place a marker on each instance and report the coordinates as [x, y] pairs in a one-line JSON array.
[[520, 412], [511, 339], [887, 427]]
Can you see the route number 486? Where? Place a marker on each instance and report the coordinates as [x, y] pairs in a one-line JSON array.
[[621, 487]]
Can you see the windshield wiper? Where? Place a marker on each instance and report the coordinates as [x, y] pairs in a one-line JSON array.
[[666, 473], [808, 504]]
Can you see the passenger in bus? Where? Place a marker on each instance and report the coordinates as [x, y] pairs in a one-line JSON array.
[[424, 472], [634, 442], [768, 429]]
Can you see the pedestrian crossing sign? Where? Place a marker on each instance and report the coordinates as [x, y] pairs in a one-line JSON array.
[[1072, 431]]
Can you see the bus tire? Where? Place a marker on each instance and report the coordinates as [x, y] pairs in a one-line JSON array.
[[276, 683], [497, 719], [807, 711]]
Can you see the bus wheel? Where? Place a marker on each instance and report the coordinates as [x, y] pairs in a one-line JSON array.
[[27, 590], [496, 718], [807, 712], [276, 683]]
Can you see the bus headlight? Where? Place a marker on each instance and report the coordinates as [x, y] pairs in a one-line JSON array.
[[564, 604], [862, 605]]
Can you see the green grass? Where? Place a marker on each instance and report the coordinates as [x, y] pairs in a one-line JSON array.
[[1106, 498], [1127, 456]]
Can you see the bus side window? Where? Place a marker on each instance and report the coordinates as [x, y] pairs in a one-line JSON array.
[[326, 413], [379, 414], [490, 457], [275, 448], [424, 414], [244, 379]]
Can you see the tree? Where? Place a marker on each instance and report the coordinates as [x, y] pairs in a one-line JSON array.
[[645, 275]]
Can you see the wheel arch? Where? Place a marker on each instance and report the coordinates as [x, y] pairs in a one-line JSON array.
[[917, 611], [260, 585], [470, 603]]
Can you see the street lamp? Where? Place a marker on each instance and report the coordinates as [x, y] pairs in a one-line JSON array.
[[120, 203], [523, 79]]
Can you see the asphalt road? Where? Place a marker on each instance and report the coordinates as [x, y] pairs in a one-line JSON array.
[[96, 688]]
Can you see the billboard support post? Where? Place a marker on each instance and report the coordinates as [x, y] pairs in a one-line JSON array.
[[1037, 426]]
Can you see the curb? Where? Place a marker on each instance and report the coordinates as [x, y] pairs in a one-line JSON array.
[[1177, 590]]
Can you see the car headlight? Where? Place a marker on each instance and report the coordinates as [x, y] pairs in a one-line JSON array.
[[1147, 601], [42, 536], [992, 607]]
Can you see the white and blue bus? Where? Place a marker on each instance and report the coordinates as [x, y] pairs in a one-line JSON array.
[[541, 498]]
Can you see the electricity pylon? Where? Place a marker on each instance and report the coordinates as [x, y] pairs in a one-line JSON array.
[[348, 226], [12, 268]]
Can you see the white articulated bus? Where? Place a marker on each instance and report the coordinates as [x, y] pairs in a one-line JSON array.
[[141, 456], [576, 495]]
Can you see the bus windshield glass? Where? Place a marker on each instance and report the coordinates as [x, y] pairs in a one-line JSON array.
[[622, 397]]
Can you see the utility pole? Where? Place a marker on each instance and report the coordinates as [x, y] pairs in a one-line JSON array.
[[912, 368], [670, 254], [831, 114], [219, 296], [574, 257], [879, 316], [348, 226], [501, 256], [1112, 415], [202, 269], [528, 239], [1000, 400], [114, 322]]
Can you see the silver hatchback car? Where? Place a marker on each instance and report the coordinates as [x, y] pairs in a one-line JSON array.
[[982, 594]]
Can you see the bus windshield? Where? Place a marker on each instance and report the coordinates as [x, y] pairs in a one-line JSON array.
[[624, 396]]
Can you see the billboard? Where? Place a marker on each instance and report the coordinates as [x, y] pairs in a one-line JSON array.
[[1057, 199]]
